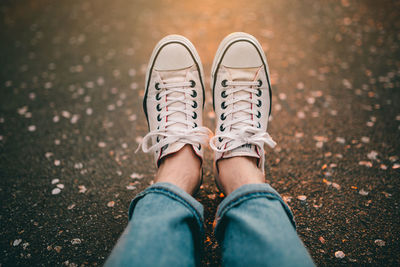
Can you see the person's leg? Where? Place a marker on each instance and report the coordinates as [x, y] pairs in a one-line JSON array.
[[254, 225], [166, 222]]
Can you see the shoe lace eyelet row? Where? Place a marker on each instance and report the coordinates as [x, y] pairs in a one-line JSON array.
[[223, 104]]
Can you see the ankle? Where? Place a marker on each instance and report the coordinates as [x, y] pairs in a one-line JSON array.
[[181, 169], [237, 171]]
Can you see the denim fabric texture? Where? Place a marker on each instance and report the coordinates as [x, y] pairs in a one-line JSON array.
[[253, 226]]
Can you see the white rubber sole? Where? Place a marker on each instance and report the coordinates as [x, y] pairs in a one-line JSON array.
[[226, 42], [173, 38]]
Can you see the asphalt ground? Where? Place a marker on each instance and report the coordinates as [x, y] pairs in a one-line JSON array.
[[71, 87]]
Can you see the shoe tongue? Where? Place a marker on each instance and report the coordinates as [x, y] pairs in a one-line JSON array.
[[247, 74], [175, 76]]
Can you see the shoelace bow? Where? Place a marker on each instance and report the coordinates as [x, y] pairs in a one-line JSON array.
[[240, 135], [193, 134]]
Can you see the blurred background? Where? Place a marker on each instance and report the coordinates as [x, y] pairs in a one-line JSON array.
[[71, 87]]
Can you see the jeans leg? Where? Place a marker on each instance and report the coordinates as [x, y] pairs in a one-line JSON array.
[[165, 229], [256, 228]]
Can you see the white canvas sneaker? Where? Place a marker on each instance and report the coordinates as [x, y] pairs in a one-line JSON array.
[[242, 99], [174, 99]]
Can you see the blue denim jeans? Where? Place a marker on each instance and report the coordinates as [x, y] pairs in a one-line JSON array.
[[253, 226]]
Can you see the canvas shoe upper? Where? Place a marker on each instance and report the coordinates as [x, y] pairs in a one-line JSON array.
[[242, 99], [173, 100]]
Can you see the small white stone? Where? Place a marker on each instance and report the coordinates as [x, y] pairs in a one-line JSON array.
[[310, 100], [380, 242], [78, 165], [17, 242], [31, 128], [136, 176], [25, 245], [365, 139], [301, 115], [74, 118], [55, 181], [76, 241], [299, 135], [82, 189], [132, 117], [102, 144], [66, 114], [130, 187], [61, 186], [336, 186], [340, 254], [300, 86], [57, 162], [56, 119], [134, 86], [372, 155], [363, 192], [56, 191], [340, 140], [302, 197], [21, 111], [319, 144]]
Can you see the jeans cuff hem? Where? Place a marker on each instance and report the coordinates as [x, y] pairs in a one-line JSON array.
[[176, 194], [246, 192]]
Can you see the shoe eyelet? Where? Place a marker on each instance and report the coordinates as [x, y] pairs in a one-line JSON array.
[[259, 92], [158, 107], [157, 86], [223, 83], [223, 105], [158, 139], [194, 104], [158, 98], [195, 125], [221, 128], [199, 147], [223, 94], [223, 116], [258, 114], [194, 115], [193, 83], [194, 93], [220, 139], [259, 125], [259, 103], [158, 117], [259, 83]]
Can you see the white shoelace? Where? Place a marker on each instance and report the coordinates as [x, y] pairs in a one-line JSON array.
[[191, 134], [239, 134]]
